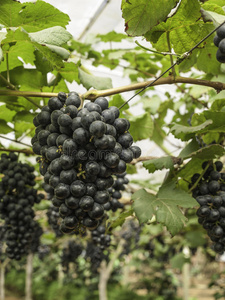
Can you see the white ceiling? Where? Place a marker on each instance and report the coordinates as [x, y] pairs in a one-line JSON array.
[[100, 16]]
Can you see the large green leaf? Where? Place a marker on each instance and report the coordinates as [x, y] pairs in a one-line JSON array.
[[69, 72], [141, 15], [141, 127], [32, 16], [164, 206], [6, 114]]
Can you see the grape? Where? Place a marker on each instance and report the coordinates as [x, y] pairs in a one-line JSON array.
[[17, 197], [211, 212], [81, 151]]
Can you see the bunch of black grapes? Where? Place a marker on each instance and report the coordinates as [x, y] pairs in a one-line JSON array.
[[130, 232], [100, 238], [210, 194], [115, 192], [17, 197], [3, 230], [95, 255], [80, 150], [43, 251], [53, 220], [70, 253], [219, 41]]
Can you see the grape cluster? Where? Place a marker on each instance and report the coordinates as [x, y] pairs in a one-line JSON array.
[[210, 194], [100, 238], [115, 192], [95, 255], [43, 251], [70, 253], [219, 41], [17, 197], [80, 150], [53, 219], [131, 234]]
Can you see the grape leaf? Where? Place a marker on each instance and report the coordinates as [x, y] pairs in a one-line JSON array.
[[158, 164], [144, 122], [69, 72], [56, 35], [187, 132], [141, 15], [119, 220], [189, 149], [164, 206], [208, 152], [99, 83], [32, 16], [6, 114], [112, 36], [4, 127]]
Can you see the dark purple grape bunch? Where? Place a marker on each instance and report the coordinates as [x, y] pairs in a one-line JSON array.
[[70, 253], [100, 238], [53, 220], [115, 192], [219, 41], [17, 197], [210, 194], [80, 150]]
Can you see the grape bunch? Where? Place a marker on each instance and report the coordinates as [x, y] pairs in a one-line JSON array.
[[210, 194], [79, 151], [17, 197], [100, 238], [131, 234], [53, 218], [115, 192], [70, 253], [219, 41]]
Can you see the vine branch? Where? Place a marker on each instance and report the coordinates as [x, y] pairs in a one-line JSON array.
[[25, 151], [93, 94], [12, 140]]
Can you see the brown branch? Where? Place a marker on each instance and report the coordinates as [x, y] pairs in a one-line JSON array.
[[25, 151], [93, 94]]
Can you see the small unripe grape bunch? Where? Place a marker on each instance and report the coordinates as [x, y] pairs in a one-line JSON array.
[[80, 149], [210, 195], [219, 41]]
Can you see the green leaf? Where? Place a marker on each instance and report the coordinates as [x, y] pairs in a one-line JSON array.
[[32, 16], [159, 164], [6, 114], [208, 152], [141, 15], [52, 58], [165, 206], [191, 147], [65, 54], [56, 35], [208, 54], [4, 127], [112, 36], [213, 16], [117, 100], [217, 105], [120, 220], [144, 122], [69, 72], [178, 260], [195, 238], [187, 132], [99, 83]]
